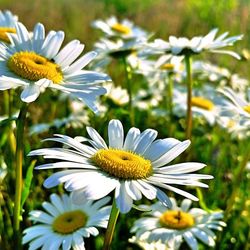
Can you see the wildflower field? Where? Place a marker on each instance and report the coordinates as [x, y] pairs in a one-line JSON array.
[[124, 124]]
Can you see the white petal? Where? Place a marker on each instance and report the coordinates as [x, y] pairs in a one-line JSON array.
[[201, 235], [131, 138], [160, 147], [38, 37], [115, 134], [69, 53], [162, 197], [80, 63], [132, 190], [171, 154], [100, 187], [97, 139], [191, 241], [123, 201], [53, 46], [185, 205], [181, 168], [144, 140], [30, 93]]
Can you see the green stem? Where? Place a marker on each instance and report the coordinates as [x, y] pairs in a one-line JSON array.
[[111, 226], [19, 178], [128, 76], [188, 61], [170, 95]]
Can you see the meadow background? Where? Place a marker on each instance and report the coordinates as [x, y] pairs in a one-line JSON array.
[[163, 18]]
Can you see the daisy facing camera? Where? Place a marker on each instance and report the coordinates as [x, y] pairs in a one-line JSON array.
[[132, 166]]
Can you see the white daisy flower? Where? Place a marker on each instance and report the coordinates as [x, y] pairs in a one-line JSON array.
[[237, 107], [65, 224], [117, 94], [233, 127], [157, 71], [119, 48], [36, 63], [180, 223], [7, 25], [204, 103], [124, 29], [133, 166], [222, 76], [198, 44]]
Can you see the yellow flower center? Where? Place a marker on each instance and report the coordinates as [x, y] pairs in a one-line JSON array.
[[167, 66], [120, 28], [3, 33], [69, 222], [122, 164], [231, 124], [176, 219], [34, 67], [201, 102], [247, 108]]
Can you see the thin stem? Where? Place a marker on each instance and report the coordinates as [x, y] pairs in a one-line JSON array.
[[128, 76], [19, 178], [111, 226], [188, 61], [170, 95]]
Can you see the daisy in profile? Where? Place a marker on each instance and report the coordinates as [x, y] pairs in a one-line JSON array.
[[198, 44], [125, 29], [64, 225], [168, 228], [7, 25], [238, 107], [35, 63], [204, 103], [119, 48], [133, 166]]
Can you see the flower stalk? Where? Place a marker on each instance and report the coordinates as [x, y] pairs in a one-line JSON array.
[[128, 75], [170, 94], [111, 226], [19, 178], [188, 62]]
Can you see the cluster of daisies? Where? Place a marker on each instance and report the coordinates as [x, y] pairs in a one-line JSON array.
[[133, 165]]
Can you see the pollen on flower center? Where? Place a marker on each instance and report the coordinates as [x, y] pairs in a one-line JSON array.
[[120, 28], [176, 220], [167, 66], [247, 108], [3, 33], [201, 102], [69, 222], [122, 164], [34, 67]]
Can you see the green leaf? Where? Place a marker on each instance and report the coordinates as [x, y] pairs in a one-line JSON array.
[[141, 208], [27, 182]]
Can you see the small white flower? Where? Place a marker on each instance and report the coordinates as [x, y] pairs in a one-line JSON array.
[[7, 25], [119, 48], [163, 226], [36, 63], [124, 29], [237, 107], [132, 166], [198, 44], [156, 72], [117, 94], [204, 103], [65, 224], [222, 76], [233, 127]]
